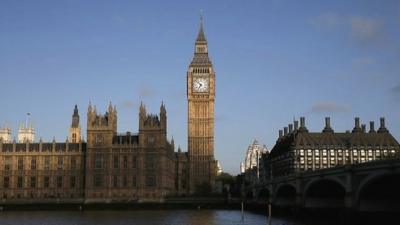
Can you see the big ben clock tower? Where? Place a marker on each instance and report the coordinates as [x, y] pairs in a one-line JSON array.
[[201, 95]]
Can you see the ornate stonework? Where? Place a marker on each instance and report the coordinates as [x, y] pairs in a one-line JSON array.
[[201, 95]]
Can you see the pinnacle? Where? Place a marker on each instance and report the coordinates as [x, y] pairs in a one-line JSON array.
[[201, 37]]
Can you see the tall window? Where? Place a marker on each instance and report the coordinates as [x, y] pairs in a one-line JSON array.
[[47, 162], [150, 181], [134, 162], [6, 182], [46, 182], [20, 182], [116, 162], [33, 182], [115, 181], [20, 163], [72, 181], [98, 161], [124, 181], [33, 163], [98, 181], [73, 163], [7, 163], [149, 162], [60, 162], [59, 181], [125, 162], [134, 181]]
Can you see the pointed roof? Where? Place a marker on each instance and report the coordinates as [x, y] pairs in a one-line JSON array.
[[201, 37], [76, 111], [201, 58]]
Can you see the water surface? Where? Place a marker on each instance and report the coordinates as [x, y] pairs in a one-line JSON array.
[[135, 217]]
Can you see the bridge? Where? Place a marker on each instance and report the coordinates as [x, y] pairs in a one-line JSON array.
[[366, 187]]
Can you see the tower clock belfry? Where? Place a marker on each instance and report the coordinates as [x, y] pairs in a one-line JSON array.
[[201, 95]]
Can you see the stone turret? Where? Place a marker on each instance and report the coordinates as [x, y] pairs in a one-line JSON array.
[[152, 127], [101, 127], [75, 129]]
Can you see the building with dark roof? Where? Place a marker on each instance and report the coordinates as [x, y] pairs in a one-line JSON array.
[[297, 149], [113, 167]]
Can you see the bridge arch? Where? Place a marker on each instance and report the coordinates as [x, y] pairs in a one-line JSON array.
[[379, 192], [250, 195], [285, 195], [264, 195], [333, 179], [324, 193]]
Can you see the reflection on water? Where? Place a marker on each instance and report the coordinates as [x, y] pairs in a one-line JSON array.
[[134, 217]]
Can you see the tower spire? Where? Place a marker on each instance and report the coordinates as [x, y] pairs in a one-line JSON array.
[[201, 48], [201, 37]]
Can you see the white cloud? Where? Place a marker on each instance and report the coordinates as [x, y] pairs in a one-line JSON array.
[[129, 104], [146, 92], [328, 107], [363, 62], [396, 89], [328, 19], [366, 29]]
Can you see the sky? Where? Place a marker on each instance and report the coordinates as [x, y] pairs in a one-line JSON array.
[[274, 60]]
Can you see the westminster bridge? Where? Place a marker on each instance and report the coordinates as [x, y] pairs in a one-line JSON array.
[[365, 187]]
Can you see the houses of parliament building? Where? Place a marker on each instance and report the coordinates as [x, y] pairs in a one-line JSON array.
[[114, 167]]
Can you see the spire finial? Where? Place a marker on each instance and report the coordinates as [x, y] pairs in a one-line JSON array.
[[201, 37]]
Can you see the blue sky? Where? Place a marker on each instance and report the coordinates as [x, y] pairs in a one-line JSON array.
[[274, 60]]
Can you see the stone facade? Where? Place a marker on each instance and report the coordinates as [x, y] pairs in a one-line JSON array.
[[128, 167], [201, 96], [253, 166], [48, 172], [300, 150], [112, 167], [5, 134], [75, 129], [26, 133], [253, 154]]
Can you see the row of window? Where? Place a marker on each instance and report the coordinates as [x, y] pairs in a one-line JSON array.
[[34, 184], [98, 162], [122, 181], [347, 152], [333, 161], [21, 163], [41, 195]]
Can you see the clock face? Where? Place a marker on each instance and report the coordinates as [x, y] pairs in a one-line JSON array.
[[200, 84]]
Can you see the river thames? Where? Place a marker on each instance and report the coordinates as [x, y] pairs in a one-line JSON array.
[[136, 217]]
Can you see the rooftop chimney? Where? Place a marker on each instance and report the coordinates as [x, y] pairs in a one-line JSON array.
[[327, 125], [357, 127], [363, 128], [285, 131], [290, 128], [296, 125], [280, 133], [382, 128], [303, 124], [372, 127], [327, 122], [357, 122]]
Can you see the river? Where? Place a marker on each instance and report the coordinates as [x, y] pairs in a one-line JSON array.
[[136, 217]]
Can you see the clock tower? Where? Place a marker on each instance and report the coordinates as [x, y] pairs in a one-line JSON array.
[[201, 95]]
